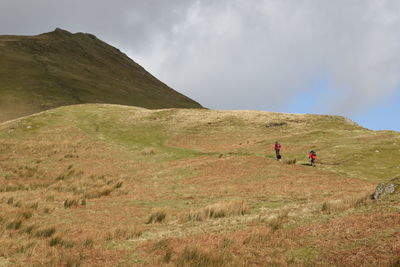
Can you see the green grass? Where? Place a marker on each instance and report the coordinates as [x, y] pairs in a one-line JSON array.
[[304, 256], [131, 135]]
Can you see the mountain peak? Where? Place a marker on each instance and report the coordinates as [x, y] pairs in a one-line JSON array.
[[59, 32], [59, 68]]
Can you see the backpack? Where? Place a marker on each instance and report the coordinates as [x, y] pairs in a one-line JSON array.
[[313, 153]]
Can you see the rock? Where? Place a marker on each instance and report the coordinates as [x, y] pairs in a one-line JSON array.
[[384, 189]]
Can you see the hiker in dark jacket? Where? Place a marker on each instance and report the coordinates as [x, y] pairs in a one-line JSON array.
[[313, 157], [278, 150]]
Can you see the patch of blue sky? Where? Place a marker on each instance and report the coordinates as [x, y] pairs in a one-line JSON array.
[[383, 116], [311, 99]]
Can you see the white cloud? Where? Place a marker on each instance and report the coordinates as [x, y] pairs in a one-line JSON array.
[[241, 54]]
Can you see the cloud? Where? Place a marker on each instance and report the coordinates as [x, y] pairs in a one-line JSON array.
[[238, 54]]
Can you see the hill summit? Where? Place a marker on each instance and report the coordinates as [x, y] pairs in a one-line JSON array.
[[60, 68]]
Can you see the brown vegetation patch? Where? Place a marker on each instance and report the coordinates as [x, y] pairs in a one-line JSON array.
[[259, 246], [243, 175], [365, 239], [207, 143], [218, 210], [355, 240], [70, 197]]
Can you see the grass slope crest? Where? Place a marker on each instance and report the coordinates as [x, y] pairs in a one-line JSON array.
[[60, 68]]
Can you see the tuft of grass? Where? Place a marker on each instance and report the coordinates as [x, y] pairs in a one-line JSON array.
[[118, 185], [25, 247], [275, 124], [67, 244], [58, 241], [55, 241], [29, 229], [162, 244], [259, 237], [88, 243], [9, 188], [157, 217], [148, 151], [219, 210], [27, 214], [164, 247], [34, 205], [45, 232], [341, 205], [68, 203], [278, 222], [70, 156], [167, 256], [126, 233], [290, 161], [326, 207], [61, 177], [10, 200], [14, 225], [98, 193], [192, 256]]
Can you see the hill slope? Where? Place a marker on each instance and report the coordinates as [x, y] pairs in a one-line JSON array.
[[59, 68], [110, 185]]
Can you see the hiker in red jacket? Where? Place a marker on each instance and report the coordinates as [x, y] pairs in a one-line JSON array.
[[313, 157], [278, 150]]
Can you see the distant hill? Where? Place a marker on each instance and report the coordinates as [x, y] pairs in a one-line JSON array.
[[60, 68]]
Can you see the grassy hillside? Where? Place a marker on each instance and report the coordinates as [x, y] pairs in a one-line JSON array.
[[59, 68], [111, 185]]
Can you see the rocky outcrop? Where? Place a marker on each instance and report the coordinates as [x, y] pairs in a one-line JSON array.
[[388, 188]]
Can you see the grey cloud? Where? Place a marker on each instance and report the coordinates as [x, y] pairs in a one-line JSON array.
[[240, 54], [256, 54]]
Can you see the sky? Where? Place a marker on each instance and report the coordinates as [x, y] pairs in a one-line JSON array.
[[337, 57]]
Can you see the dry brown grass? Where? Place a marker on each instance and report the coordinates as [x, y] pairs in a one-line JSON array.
[[356, 239], [156, 217], [342, 205], [192, 256], [148, 151], [122, 189], [290, 161], [277, 222], [218, 210]]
